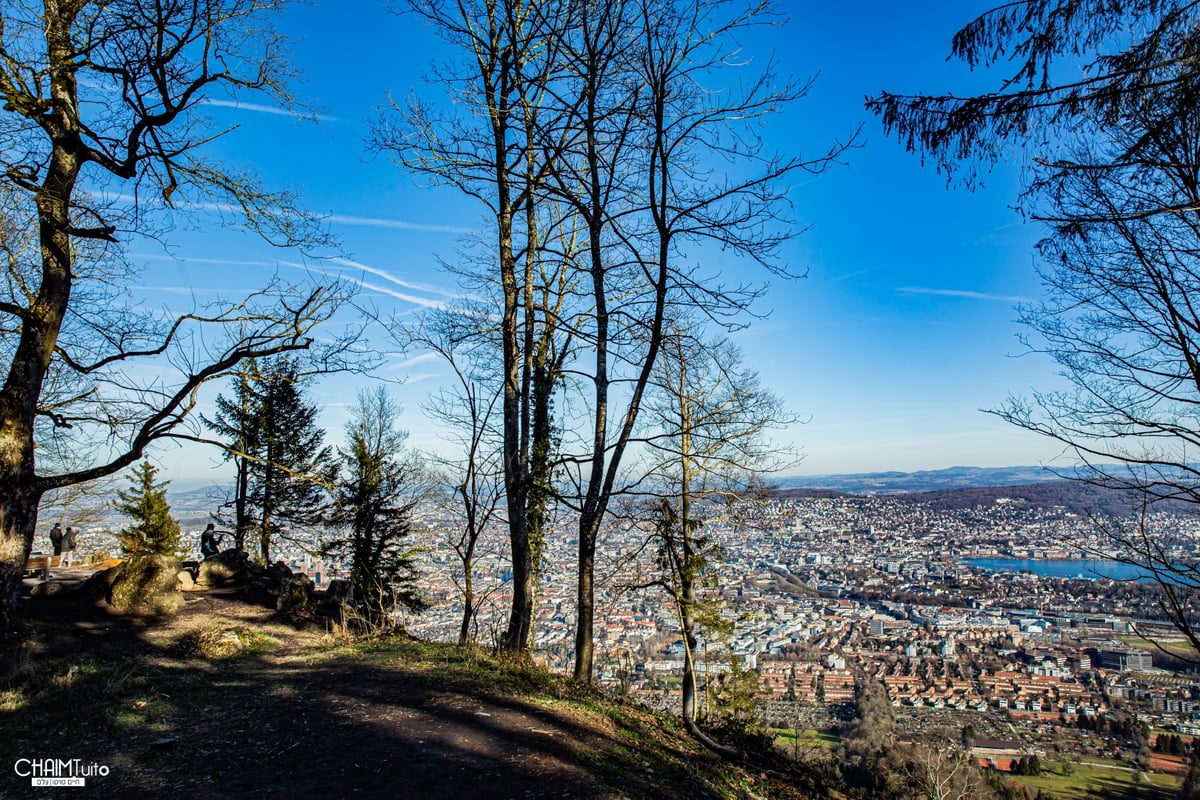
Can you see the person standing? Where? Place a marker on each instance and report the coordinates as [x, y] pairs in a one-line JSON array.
[[68, 546], [56, 538]]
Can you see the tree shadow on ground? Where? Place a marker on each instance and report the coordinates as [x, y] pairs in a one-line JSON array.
[[357, 723]]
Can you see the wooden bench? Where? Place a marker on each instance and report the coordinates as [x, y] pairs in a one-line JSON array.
[[41, 564]]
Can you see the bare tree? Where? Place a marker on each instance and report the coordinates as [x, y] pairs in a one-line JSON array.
[[101, 132], [82, 505], [711, 417], [78, 504], [590, 136], [941, 771], [492, 153], [638, 183], [1118, 267], [467, 413]]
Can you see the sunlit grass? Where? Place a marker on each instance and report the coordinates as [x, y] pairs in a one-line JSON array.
[[1099, 778]]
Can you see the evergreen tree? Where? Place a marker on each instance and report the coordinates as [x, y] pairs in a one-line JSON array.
[[377, 491], [283, 467], [154, 530], [239, 422]]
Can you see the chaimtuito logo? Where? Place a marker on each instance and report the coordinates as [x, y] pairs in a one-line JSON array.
[[58, 771]]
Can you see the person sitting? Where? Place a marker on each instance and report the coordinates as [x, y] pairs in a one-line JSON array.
[[210, 541]]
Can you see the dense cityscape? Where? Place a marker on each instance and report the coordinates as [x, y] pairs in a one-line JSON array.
[[828, 594]]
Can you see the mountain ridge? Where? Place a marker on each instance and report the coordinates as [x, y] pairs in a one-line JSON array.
[[898, 482]]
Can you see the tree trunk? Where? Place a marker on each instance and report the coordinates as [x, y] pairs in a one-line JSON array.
[[18, 524], [468, 562], [241, 498], [39, 329], [464, 629], [241, 523], [516, 481], [585, 603], [687, 577], [596, 500], [269, 480]]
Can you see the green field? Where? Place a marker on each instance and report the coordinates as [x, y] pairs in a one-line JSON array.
[[1102, 779], [1179, 647]]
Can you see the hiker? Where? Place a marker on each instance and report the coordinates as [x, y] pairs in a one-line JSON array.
[[210, 541], [68, 546], [56, 538]]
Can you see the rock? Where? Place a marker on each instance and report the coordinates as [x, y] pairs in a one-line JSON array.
[[99, 585], [230, 566], [339, 591], [295, 592], [279, 571], [186, 582], [339, 595], [147, 580], [277, 586]]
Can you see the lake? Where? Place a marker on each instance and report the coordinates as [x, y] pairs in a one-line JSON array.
[[1090, 568]]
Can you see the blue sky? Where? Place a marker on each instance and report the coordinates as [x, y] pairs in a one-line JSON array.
[[902, 331]]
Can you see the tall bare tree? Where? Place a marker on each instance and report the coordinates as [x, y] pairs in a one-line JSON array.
[[592, 135], [641, 178], [101, 132], [491, 152]]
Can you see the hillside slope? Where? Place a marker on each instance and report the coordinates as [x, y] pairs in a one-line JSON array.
[[227, 700]]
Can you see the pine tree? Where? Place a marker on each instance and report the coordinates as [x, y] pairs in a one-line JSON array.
[[379, 487], [154, 530], [293, 466], [271, 435], [239, 422]]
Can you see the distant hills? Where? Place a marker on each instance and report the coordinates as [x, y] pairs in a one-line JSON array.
[[969, 487], [925, 481]]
